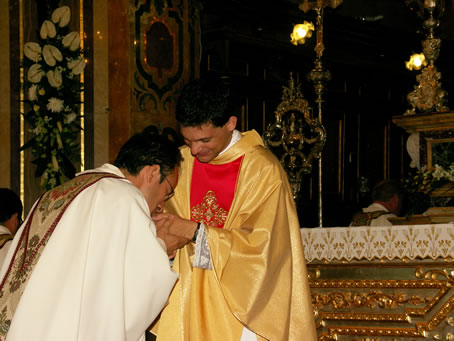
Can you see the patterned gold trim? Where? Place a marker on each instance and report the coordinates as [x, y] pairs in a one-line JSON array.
[[407, 332], [388, 301], [365, 317], [371, 299]]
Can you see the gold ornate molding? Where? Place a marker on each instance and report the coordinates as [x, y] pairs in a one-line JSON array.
[[383, 300], [425, 122]]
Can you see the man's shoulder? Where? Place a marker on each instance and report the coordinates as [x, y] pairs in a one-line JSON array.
[[262, 164], [375, 206], [383, 219], [115, 184], [262, 155], [365, 218], [110, 185]]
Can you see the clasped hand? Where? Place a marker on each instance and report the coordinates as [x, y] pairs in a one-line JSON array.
[[175, 231]]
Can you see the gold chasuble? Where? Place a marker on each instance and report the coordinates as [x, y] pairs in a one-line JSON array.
[[258, 278]]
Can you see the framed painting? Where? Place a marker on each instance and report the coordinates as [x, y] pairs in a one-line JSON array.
[[440, 152]]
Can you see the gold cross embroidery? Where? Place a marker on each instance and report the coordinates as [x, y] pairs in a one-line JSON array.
[[209, 212]]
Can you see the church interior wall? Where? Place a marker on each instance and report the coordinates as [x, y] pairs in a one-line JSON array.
[[126, 93], [5, 155]]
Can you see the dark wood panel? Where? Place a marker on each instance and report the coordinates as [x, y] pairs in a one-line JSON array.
[[88, 85], [15, 94], [366, 45]]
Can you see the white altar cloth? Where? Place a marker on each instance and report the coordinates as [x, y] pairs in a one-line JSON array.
[[405, 242]]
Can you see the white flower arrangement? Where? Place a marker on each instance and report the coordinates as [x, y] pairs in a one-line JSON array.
[[421, 186], [427, 181], [53, 89], [440, 173]]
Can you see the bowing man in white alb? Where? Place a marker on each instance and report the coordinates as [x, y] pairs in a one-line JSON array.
[[88, 262]]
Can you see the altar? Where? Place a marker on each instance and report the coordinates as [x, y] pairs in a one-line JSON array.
[[382, 283]]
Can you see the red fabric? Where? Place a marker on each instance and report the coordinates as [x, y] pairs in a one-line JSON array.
[[212, 191]]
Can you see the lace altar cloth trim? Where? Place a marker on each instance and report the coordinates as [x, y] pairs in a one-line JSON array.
[[408, 242]]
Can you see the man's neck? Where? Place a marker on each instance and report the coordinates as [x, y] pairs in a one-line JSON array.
[[236, 136], [384, 204], [10, 224], [129, 176]]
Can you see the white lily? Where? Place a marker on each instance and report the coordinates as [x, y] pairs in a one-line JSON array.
[[47, 30], [35, 73], [51, 55], [32, 92], [70, 118], [72, 41], [77, 65], [32, 51], [61, 16], [54, 77]]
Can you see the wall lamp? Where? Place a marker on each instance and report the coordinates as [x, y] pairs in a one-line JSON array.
[[416, 62], [301, 32]]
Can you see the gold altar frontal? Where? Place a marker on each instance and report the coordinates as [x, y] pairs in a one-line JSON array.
[[382, 283]]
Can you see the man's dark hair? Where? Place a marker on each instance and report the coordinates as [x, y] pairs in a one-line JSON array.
[[206, 100], [385, 190], [10, 203], [147, 149]]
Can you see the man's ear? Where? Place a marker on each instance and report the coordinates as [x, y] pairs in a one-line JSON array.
[[231, 123], [149, 172]]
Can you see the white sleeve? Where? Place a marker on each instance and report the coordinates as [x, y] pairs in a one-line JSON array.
[[202, 251], [162, 243]]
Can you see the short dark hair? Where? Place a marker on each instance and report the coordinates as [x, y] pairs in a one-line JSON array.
[[206, 100], [10, 203], [386, 189], [148, 149]]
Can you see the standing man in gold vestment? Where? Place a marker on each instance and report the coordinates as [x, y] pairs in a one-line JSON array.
[[243, 277]]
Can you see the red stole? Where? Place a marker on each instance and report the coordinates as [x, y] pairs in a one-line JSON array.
[[212, 191]]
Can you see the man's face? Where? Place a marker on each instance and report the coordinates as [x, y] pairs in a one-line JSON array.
[[394, 205], [207, 141], [156, 193], [399, 205]]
